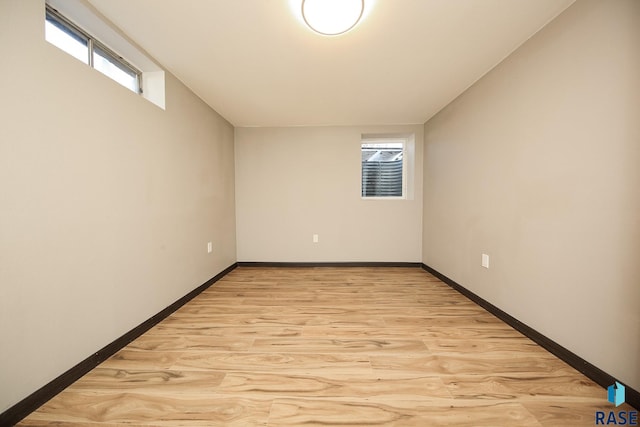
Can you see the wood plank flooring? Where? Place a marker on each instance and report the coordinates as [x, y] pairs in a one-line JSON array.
[[329, 346]]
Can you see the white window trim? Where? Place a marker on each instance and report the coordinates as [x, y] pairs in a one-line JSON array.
[[407, 153]]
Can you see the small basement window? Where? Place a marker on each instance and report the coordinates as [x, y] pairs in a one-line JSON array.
[[67, 36], [383, 168]]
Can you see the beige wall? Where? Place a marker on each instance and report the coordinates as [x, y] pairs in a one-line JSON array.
[[106, 204], [292, 183], [538, 166]]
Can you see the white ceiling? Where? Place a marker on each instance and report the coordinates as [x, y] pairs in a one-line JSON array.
[[256, 63]]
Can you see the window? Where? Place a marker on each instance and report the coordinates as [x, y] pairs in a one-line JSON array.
[[383, 168], [62, 33], [67, 38], [111, 66]]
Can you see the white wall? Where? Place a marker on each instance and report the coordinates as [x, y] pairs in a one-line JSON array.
[[292, 183], [538, 165], [106, 204]]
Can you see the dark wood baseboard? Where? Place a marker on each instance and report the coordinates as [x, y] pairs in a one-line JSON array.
[[32, 402], [596, 374], [329, 264]]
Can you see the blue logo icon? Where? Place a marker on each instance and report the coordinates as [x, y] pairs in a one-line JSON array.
[[615, 394]]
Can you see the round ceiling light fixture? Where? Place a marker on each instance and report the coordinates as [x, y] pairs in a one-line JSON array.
[[332, 17]]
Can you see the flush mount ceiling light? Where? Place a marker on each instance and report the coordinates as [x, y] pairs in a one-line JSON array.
[[332, 17]]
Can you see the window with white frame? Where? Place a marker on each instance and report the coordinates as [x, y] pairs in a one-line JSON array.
[[383, 168], [70, 38]]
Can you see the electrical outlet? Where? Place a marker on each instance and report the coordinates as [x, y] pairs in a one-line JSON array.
[[209, 247], [315, 238], [485, 260]]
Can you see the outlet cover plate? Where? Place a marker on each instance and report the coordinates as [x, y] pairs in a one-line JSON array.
[[485, 260]]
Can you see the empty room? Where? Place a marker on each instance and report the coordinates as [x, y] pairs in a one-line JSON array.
[[320, 212]]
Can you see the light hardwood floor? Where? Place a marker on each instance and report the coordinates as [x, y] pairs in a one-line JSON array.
[[329, 346]]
